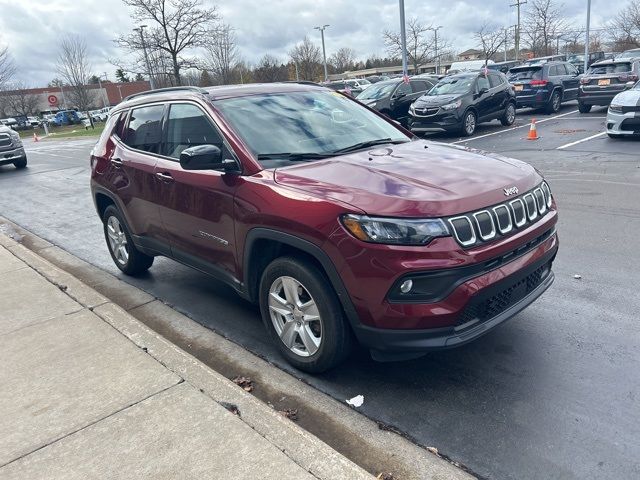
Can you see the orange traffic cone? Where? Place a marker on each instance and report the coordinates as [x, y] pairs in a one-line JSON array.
[[35, 137], [533, 133]]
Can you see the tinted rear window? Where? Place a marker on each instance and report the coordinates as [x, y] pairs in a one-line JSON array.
[[530, 73], [144, 131], [619, 67]]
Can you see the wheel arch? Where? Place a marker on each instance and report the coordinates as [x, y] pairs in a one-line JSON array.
[[263, 245]]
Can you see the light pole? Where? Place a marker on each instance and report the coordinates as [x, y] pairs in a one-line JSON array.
[[324, 52], [120, 91], [403, 40], [518, 4], [146, 57], [435, 34], [104, 102], [586, 39]]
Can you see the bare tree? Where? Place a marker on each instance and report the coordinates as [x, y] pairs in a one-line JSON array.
[[343, 59], [177, 27], [223, 53], [543, 22], [74, 67], [20, 101], [419, 43], [308, 58], [490, 40], [7, 68], [626, 27], [269, 69]]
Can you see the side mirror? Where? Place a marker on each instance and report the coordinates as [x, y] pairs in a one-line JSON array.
[[482, 91], [205, 157], [399, 95]]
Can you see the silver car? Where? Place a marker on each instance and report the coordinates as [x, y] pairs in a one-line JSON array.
[[623, 116]]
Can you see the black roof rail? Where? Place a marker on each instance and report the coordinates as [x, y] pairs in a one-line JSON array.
[[168, 89]]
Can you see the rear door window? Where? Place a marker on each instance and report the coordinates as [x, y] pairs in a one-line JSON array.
[[419, 86], [495, 80], [144, 130]]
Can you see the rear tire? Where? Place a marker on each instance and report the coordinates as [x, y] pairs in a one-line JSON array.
[[123, 252], [582, 108], [509, 116], [21, 163], [555, 102], [314, 338]]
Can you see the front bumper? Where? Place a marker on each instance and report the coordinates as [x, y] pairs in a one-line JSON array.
[[10, 156], [623, 123], [440, 122], [486, 309]]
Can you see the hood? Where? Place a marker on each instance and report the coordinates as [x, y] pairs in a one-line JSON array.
[[413, 179], [436, 100], [628, 98]]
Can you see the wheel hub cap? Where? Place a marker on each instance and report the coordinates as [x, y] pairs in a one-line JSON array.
[[295, 316], [117, 240]]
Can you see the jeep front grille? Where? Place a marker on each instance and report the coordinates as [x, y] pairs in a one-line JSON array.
[[484, 225]]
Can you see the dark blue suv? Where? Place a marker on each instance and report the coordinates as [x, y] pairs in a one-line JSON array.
[[544, 85]]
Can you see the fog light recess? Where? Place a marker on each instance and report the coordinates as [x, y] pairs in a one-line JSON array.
[[406, 286]]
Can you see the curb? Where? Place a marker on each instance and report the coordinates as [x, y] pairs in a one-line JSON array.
[[344, 439]]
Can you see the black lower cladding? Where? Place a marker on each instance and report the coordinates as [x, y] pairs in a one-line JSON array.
[[487, 305]]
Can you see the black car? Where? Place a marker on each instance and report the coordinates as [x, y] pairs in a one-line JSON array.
[[459, 102], [344, 87], [393, 97], [578, 60], [604, 80], [544, 85]]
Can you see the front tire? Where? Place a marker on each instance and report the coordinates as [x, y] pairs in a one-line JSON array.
[[123, 252], [509, 116], [555, 102], [302, 314], [582, 108], [469, 122], [21, 163]]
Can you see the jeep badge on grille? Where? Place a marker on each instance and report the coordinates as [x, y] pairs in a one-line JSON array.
[[511, 191]]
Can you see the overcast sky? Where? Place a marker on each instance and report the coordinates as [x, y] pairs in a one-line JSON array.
[[32, 28]]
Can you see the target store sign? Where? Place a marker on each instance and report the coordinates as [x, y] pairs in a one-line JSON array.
[[53, 100]]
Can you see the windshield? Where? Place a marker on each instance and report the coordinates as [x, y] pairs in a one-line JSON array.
[[312, 122], [575, 58], [452, 85], [609, 68], [377, 91], [532, 73]]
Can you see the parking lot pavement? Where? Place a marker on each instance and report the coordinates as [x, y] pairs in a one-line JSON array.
[[551, 394]]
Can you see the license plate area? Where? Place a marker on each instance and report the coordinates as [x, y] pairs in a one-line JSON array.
[[518, 88], [604, 82]]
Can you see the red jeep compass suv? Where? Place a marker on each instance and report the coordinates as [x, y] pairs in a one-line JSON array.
[[335, 220]]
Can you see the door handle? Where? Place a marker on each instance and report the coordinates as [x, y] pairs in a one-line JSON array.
[[116, 162], [165, 177]]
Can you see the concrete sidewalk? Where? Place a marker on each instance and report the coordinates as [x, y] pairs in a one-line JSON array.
[[90, 392]]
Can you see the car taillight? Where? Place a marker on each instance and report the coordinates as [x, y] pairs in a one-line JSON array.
[[628, 78], [585, 80], [538, 83]]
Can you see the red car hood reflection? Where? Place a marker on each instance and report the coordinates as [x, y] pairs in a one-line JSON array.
[[413, 179]]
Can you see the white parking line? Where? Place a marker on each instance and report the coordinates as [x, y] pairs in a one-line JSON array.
[[580, 141], [514, 128]]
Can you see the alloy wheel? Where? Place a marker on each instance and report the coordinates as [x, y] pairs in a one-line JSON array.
[[511, 114], [470, 123], [295, 316], [117, 240]]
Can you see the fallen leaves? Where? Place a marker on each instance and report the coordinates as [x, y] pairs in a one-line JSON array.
[[385, 476], [231, 407], [244, 382], [290, 413]]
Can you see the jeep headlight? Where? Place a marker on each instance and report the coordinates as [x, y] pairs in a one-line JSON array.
[[395, 231], [452, 105]]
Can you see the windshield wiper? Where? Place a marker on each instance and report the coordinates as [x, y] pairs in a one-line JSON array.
[[293, 156], [370, 143]]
